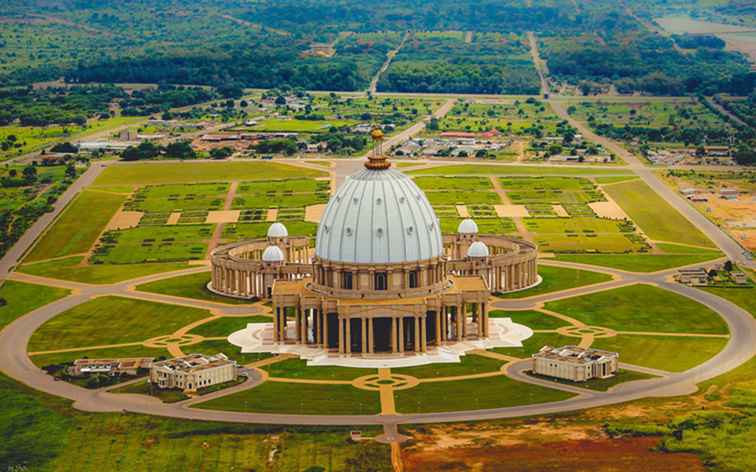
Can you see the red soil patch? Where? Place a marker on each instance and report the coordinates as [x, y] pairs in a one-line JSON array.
[[594, 455]]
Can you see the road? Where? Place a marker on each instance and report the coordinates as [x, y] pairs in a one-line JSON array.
[[373, 88], [15, 363], [15, 253], [539, 64]]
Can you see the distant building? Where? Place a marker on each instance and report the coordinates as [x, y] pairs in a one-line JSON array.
[[575, 363], [688, 192], [728, 193], [739, 278], [105, 145], [693, 276], [193, 372], [128, 366]]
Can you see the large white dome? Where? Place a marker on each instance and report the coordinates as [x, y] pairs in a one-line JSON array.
[[379, 216]]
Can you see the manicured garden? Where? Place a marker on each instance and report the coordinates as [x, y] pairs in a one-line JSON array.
[[641, 308], [71, 268], [674, 354], [112, 320], [559, 278], [189, 286], [21, 298], [469, 364], [533, 319], [474, 394], [227, 325], [299, 398], [298, 369]]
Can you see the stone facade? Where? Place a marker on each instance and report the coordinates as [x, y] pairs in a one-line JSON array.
[[575, 363], [192, 372]]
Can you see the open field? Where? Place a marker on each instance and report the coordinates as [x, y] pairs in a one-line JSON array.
[[143, 388], [476, 394], [298, 369], [657, 219], [216, 346], [189, 286], [153, 244], [70, 268], [512, 116], [21, 298], [640, 262], [674, 354], [238, 231], [303, 399], [533, 319], [195, 172], [559, 278], [78, 227], [178, 197], [503, 170], [300, 126], [584, 234], [112, 320], [534, 344], [663, 311], [227, 325], [469, 364], [743, 297], [34, 138]]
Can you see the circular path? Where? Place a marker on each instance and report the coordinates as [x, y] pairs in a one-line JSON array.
[[15, 361]]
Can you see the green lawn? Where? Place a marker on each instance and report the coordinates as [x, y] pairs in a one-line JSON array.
[[238, 231], [42, 432], [487, 170], [154, 244], [179, 197], [745, 298], [475, 394], [79, 226], [582, 234], [674, 354], [223, 346], [534, 344], [192, 172], [298, 369], [641, 308], [469, 364], [112, 320], [227, 325], [531, 318], [638, 262], [657, 218], [301, 399], [301, 126], [21, 298], [603, 385], [109, 353], [69, 269], [143, 388], [190, 286], [559, 278]]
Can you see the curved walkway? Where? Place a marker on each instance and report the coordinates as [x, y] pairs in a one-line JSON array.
[[15, 361]]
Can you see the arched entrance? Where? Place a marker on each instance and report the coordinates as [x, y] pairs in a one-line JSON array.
[[382, 334]]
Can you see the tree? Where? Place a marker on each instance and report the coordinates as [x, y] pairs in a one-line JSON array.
[[70, 170], [145, 150], [221, 153], [728, 266], [180, 150], [65, 148], [433, 125], [30, 173], [280, 100]]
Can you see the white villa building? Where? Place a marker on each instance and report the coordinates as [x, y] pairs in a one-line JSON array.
[[575, 363], [192, 372]]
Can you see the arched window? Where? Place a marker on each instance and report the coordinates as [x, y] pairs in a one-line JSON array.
[[346, 280], [413, 279]]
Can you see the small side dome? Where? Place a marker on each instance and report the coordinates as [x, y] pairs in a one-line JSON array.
[[273, 254], [477, 249], [467, 226], [278, 230]]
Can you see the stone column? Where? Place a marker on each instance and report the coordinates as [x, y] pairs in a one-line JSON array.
[[341, 335], [459, 315], [394, 343], [417, 334], [438, 326], [276, 324], [423, 334], [401, 334], [371, 336], [364, 336], [283, 324], [307, 326], [348, 335], [484, 314]]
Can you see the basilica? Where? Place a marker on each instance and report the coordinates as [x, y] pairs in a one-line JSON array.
[[380, 278]]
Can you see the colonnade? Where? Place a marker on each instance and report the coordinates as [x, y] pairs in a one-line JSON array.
[[407, 332]]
